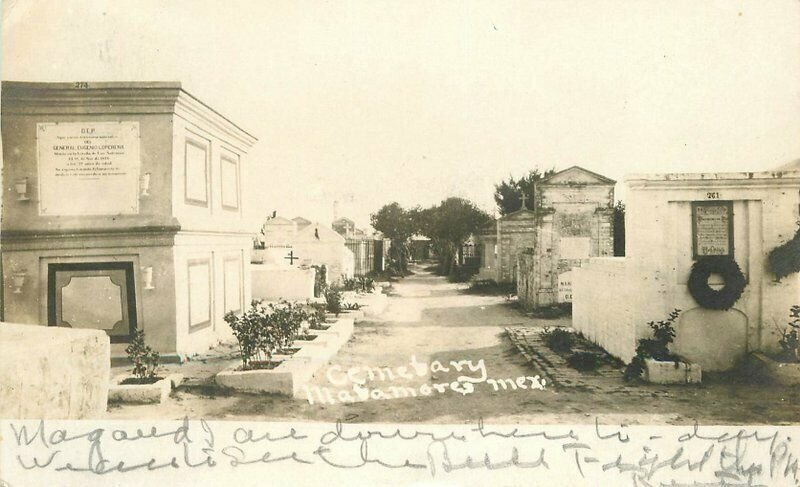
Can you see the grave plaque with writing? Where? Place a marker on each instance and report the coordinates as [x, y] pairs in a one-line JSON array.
[[88, 168], [712, 228]]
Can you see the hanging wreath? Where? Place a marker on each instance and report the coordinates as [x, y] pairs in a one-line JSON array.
[[712, 298]]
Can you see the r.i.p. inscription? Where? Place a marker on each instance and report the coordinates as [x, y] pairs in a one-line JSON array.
[[88, 168]]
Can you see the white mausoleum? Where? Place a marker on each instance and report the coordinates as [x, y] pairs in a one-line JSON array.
[[122, 210], [671, 220]]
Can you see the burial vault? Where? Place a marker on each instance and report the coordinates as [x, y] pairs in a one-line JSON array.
[[123, 210], [675, 224]]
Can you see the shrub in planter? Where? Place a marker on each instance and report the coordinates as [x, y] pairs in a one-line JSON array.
[[144, 359], [315, 316], [256, 336], [286, 319], [351, 306], [656, 348], [558, 340], [584, 361], [333, 301]]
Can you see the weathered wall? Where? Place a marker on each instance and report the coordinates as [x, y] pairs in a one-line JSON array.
[[517, 234], [613, 301], [53, 373], [271, 284], [573, 223]]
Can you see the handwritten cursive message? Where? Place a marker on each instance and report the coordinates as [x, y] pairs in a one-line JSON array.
[[106, 453]]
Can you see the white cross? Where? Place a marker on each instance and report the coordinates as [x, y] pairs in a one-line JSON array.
[[523, 201]]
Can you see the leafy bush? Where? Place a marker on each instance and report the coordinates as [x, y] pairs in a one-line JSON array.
[[558, 340], [333, 301], [286, 319], [493, 288], [144, 359], [656, 348], [461, 273], [553, 311], [584, 361], [256, 334], [315, 316], [362, 284], [790, 337], [784, 260]]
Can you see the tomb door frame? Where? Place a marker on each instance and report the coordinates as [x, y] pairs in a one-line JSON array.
[[129, 310], [746, 237]]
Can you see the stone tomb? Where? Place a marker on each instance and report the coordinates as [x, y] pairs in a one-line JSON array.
[[571, 221], [123, 211], [672, 220], [317, 244]]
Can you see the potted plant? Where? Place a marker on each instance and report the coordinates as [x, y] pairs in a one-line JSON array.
[[145, 385], [654, 362]]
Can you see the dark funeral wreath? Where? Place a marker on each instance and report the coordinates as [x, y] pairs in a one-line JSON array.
[[705, 295]]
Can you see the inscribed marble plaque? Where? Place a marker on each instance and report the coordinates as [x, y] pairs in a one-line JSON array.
[[712, 229], [88, 168], [565, 287]]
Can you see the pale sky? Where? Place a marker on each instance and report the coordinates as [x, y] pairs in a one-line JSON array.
[[413, 101]]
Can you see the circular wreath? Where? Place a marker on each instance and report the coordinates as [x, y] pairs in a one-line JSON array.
[[712, 298]]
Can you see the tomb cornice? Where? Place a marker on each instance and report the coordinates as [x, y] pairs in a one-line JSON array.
[[20, 98], [717, 180], [193, 110], [87, 232], [126, 98], [88, 239]]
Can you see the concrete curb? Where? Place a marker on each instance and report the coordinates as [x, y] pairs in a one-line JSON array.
[[157, 393], [296, 369]]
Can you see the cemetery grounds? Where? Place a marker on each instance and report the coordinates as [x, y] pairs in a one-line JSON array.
[[413, 349]]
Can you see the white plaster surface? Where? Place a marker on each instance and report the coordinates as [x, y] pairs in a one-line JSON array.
[[272, 283], [53, 373]]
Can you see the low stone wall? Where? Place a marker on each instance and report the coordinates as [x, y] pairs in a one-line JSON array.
[[272, 283], [53, 373], [603, 300]]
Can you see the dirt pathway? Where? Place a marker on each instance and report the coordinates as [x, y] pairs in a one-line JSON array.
[[405, 363]]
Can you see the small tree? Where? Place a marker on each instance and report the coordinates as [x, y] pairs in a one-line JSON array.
[[508, 193], [448, 225], [396, 224], [144, 359]]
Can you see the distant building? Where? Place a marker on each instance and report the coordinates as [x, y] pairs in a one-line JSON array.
[[344, 227], [301, 222], [572, 220]]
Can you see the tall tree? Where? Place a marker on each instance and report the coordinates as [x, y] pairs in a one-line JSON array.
[[508, 193], [397, 225]]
